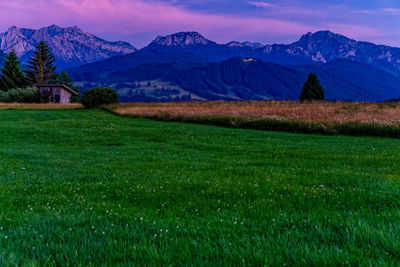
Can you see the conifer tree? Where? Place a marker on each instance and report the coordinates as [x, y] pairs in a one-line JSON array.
[[64, 78], [12, 76], [312, 89], [41, 67]]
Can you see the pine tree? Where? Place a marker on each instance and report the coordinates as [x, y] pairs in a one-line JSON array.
[[12, 76], [64, 78], [41, 67], [312, 89]]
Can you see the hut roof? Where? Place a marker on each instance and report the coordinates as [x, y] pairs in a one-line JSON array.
[[57, 85]]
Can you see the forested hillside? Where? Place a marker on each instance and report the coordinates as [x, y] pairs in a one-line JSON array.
[[239, 78]]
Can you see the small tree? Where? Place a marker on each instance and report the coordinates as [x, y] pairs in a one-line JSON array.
[[12, 76], [312, 89], [41, 67], [64, 78]]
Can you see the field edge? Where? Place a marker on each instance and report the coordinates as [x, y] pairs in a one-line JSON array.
[[353, 128]]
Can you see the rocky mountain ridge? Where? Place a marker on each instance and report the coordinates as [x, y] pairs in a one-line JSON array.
[[312, 48], [71, 45]]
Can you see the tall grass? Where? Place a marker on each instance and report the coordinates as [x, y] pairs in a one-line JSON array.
[[49, 106], [365, 119]]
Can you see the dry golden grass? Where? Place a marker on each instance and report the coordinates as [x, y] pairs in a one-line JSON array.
[[339, 112], [40, 106]]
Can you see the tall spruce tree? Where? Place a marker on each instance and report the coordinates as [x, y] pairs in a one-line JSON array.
[[312, 89], [41, 69], [12, 76]]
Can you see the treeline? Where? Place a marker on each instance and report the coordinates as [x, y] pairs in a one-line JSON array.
[[17, 85]]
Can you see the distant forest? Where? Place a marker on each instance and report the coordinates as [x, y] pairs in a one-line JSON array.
[[233, 78], [236, 78]]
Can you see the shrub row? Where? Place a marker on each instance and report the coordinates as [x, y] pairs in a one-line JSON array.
[[20, 95]]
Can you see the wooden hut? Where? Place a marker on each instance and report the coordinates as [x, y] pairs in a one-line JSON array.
[[55, 93]]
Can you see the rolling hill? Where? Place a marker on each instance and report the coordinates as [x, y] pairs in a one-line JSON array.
[[126, 62], [237, 79], [350, 80]]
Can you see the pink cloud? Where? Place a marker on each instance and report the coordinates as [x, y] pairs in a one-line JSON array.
[[260, 4], [135, 17], [140, 17], [391, 10]]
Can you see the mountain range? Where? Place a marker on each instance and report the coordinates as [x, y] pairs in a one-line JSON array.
[[348, 69], [320, 47], [71, 46]]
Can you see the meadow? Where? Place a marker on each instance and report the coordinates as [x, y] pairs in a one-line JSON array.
[[88, 188], [349, 118]]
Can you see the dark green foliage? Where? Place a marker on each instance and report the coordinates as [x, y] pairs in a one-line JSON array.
[[20, 95], [41, 69], [312, 89], [76, 98], [99, 96], [64, 78], [12, 76]]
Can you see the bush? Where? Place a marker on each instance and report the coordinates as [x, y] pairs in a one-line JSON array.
[[99, 96], [21, 95]]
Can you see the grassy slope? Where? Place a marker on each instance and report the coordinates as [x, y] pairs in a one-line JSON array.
[[87, 187]]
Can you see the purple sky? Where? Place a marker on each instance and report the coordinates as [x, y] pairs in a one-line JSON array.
[[140, 21]]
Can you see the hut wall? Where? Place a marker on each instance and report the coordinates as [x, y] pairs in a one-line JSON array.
[[65, 96], [55, 95]]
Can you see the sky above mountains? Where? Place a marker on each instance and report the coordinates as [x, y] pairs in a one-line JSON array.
[[273, 21]]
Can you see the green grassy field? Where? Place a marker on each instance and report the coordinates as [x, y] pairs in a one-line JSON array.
[[86, 187]]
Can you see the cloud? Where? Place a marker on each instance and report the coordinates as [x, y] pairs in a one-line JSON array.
[[130, 17], [391, 10], [261, 4], [379, 11], [283, 10], [364, 11], [125, 19]]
